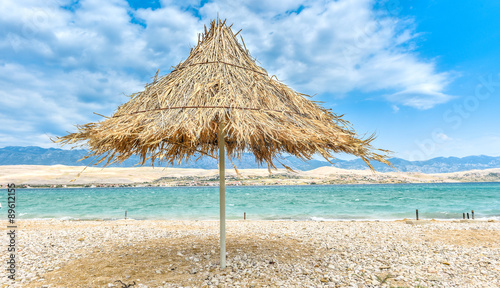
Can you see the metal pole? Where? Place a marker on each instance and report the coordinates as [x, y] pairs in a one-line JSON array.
[[222, 194]]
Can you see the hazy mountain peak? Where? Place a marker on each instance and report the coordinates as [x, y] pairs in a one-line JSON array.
[[32, 155]]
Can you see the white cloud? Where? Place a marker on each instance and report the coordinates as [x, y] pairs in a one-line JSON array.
[[60, 65], [339, 47], [443, 137], [34, 103], [35, 139]]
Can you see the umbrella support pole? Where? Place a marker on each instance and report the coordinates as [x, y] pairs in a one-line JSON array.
[[222, 194]]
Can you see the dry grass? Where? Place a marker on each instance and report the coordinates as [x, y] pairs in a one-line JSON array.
[[177, 116]]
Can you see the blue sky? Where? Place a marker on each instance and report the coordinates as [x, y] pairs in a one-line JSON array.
[[423, 75]]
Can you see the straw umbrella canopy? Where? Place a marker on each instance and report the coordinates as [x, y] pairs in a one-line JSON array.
[[217, 99]]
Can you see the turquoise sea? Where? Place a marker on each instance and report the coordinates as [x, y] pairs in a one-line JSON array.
[[314, 202]]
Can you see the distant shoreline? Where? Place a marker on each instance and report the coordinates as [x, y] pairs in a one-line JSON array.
[[60, 176], [104, 186], [403, 220]]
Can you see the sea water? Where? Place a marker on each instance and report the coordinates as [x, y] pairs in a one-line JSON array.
[[312, 202]]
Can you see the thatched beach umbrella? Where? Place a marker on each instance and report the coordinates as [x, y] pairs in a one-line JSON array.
[[218, 99]]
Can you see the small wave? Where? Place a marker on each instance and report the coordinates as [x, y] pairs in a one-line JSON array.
[[50, 218], [352, 219], [497, 218], [262, 217], [321, 219]]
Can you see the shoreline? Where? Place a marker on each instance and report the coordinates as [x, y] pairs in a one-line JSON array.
[[430, 220], [171, 253], [108, 186]]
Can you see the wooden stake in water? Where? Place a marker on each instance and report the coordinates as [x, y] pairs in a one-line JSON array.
[[468, 215], [125, 214], [244, 215], [464, 215], [417, 214], [472, 214]]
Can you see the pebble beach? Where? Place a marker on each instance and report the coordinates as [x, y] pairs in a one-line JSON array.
[[161, 253]]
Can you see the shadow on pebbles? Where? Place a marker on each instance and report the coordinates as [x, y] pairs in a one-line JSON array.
[[188, 261]]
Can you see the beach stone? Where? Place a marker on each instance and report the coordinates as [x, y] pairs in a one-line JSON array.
[[417, 222], [362, 250], [434, 278]]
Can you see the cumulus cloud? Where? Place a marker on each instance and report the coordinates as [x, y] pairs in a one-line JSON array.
[[339, 47], [443, 137], [62, 60]]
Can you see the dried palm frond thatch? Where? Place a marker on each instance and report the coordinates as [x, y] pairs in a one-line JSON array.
[[177, 115]]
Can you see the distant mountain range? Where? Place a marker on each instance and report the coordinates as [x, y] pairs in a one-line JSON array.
[[32, 155]]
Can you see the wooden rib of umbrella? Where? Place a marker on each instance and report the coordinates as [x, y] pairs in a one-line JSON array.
[[217, 99]]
